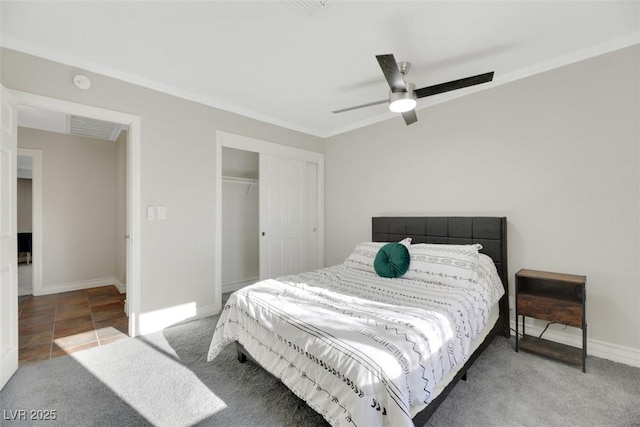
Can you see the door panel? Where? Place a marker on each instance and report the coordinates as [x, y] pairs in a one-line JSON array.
[[274, 260], [282, 216], [295, 191], [8, 239], [295, 256]]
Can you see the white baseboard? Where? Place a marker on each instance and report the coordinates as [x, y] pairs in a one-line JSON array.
[[206, 311], [232, 287], [76, 286], [155, 321], [122, 287], [604, 350]]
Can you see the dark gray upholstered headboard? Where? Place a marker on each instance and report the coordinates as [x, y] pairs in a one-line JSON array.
[[490, 232]]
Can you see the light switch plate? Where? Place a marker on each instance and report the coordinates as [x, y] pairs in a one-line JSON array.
[[162, 212], [151, 213]]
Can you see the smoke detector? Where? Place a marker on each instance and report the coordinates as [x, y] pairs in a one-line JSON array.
[[81, 82]]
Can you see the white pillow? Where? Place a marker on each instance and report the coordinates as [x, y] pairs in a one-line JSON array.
[[449, 264], [489, 279], [406, 241], [364, 255]]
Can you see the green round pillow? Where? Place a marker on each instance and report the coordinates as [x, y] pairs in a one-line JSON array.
[[392, 260]]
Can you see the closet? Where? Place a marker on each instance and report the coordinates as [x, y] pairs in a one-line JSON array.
[[240, 194], [269, 214]]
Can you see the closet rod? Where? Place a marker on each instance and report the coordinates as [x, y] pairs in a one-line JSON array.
[[238, 180]]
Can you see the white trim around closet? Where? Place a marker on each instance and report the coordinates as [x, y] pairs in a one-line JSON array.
[[225, 139]]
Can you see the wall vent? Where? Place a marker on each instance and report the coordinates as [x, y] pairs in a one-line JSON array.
[[92, 128], [309, 7]]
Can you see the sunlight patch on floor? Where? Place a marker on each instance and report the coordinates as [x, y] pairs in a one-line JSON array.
[[152, 382], [157, 320]]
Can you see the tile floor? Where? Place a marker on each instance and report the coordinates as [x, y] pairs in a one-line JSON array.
[[59, 324]]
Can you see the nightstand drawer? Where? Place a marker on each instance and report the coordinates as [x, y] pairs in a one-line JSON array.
[[551, 310]]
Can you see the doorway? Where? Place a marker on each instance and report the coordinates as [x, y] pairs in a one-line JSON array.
[[131, 184], [85, 203], [77, 301], [290, 189]]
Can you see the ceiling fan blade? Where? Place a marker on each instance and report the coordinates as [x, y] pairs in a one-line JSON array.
[[384, 101], [410, 117], [453, 85], [392, 72]]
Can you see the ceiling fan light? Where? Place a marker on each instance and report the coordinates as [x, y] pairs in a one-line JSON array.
[[401, 102], [402, 105]]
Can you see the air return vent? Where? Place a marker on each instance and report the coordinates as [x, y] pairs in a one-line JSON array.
[[309, 7], [92, 128]]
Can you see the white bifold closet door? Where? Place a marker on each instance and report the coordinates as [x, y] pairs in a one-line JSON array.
[[288, 217]]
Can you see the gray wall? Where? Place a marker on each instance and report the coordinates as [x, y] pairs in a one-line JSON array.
[[557, 153]]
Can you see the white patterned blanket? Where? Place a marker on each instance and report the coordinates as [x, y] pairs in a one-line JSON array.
[[361, 350]]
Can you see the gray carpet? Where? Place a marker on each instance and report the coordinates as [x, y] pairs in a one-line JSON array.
[[163, 379]]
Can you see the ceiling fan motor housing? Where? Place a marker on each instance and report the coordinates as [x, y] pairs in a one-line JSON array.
[[400, 102]]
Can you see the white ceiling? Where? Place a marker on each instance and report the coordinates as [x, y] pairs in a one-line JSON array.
[[271, 61]]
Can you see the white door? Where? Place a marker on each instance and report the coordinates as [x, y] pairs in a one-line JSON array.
[[8, 239], [282, 216]]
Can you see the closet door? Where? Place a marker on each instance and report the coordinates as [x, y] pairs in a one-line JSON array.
[[283, 212]]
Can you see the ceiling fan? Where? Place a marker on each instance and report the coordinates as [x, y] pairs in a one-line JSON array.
[[403, 94]]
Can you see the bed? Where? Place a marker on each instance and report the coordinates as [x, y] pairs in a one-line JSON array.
[[367, 350]]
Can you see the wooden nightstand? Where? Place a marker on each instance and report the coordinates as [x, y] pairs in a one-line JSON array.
[[554, 297]]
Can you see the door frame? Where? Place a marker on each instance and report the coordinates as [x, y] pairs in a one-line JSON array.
[[134, 211], [230, 140], [36, 214]]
